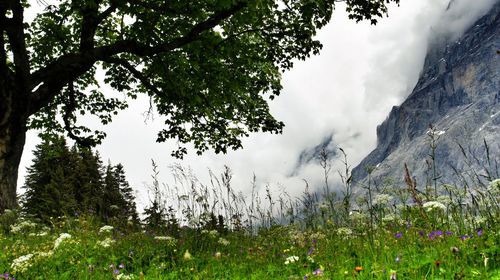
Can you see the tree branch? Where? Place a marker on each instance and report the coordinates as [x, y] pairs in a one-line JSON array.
[[66, 68], [15, 31], [136, 73], [90, 23]]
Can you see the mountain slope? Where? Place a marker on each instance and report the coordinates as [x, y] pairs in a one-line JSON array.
[[458, 95]]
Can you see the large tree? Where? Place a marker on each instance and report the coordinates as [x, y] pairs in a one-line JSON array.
[[209, 67]]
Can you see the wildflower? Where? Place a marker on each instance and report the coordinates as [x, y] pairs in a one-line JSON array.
[[398, 259], [121, 266], [122, 276], [479, 232], [60, 239], [187, 256], [318, 272], [393, 275], [434, 206], [105, 229], [106, 242], [116, 272], [464, 237], [217, 255], [291, 259], [382, 199], [494, 187], [223, 241], [389, 218], [310, 251], [22, 263], [398, 235], [345, 232], [358, 268], [454, 250], [310, 259], [170, 241], [449, 232], [23, 226]]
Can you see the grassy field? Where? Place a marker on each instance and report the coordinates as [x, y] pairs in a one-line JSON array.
[[449, 236]]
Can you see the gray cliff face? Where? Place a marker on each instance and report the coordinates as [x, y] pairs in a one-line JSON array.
[[458, 94]]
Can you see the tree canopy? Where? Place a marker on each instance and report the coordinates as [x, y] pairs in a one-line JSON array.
[[209, 67]]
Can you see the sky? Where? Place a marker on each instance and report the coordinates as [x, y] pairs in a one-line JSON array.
[[340, 95]]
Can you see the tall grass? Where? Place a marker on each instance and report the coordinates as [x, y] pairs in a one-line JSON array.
[[211, 231]]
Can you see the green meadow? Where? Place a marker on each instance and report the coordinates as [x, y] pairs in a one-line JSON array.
[[389, 233]]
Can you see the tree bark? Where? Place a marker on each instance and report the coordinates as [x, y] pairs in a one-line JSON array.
[[12, 138], [12, 142]]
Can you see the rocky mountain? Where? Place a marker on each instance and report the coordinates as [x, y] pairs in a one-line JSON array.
[[452, 115]]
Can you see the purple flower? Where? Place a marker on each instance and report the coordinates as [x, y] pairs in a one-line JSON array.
[[305, 277], [431, 235], [310, 251], [438, 232], [449, 232], [116, 272], [421, 233], [480, 232], [465, 236], [398, 235], [318, 272], [121, 266]]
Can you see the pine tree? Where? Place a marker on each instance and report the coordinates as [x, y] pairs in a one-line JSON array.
[[88, 185], [49, 181], [129, 207]]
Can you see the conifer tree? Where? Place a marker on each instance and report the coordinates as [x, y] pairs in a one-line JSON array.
[[88, 185], [49, 182], [129, 207]]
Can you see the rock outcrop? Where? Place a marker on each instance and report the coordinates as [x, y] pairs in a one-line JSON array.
[[458, 94]]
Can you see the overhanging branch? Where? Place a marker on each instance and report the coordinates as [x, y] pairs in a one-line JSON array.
[[68, 67]]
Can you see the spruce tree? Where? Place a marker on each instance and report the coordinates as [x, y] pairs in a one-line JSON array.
[[48, 184], [129, 206]]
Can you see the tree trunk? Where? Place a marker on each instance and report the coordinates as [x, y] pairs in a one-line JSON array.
[[12, 139], [13, 118]]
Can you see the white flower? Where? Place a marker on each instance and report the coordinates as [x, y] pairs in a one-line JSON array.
[[345, 232], [168, 239], [382, 199], [105, 229], [291, 259], [61, 238], [358, 217], [22, 263], [223, 241], [45, 254], [434, 205], [122, 276], [389, 218], [494, 187], [106, 242], [22, 226]]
